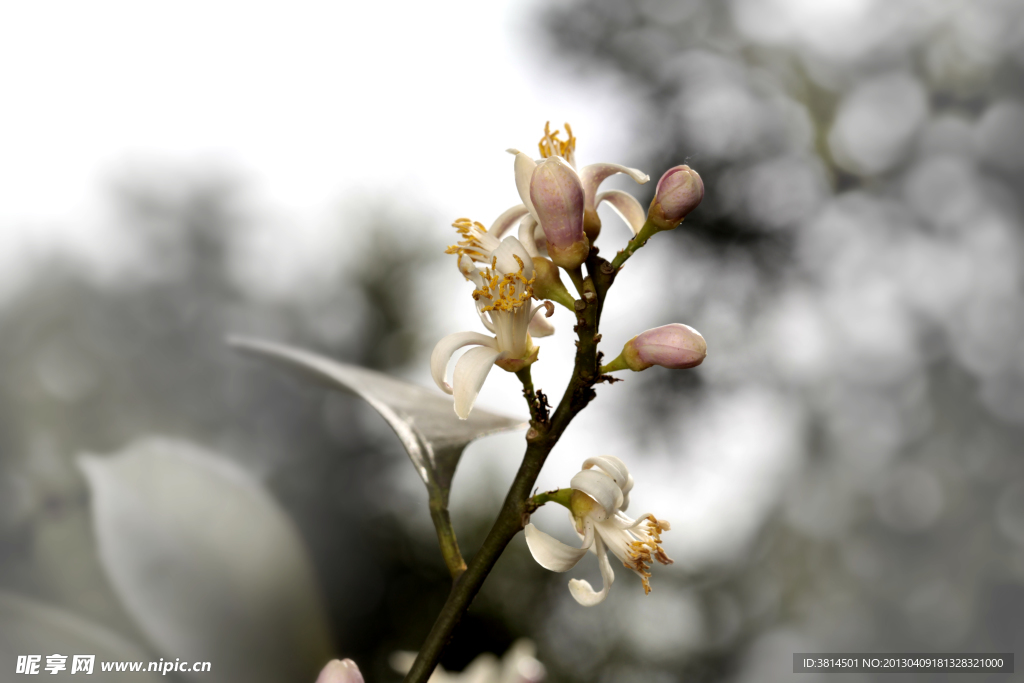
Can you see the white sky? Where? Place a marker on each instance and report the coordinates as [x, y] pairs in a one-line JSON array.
[[311, 103]]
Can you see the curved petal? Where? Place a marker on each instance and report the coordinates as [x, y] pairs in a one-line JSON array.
[[506, 220], [524, 172], [505, 261], [626, 206], [444, 349], [621, 521], [613, 467], [470, 271], [539, 325], [595, 174], [583, 592], [527, 227], [470, 373], [540, 239], [600, 487], [551, 553]]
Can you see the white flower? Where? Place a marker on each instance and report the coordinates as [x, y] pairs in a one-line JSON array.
[[479, 243], [340, 671], [590, 178], [503, 295], [600, 496]]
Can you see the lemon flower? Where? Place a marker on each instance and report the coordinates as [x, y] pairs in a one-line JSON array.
[[567, 199], [600, 495], [503, 295], [565, 206]]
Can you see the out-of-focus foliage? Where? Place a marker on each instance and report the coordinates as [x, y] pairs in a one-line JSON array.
[[423, 420], [858, 263], [207, 564], [93, 362]]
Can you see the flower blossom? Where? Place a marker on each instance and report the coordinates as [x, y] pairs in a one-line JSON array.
[[679, 192], [340, 671], [675, 346], [600, 495], [503, 298], [532, 184]]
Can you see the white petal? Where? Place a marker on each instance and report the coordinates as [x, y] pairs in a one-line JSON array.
[[551, 553], [621, 521], [539, 325], [470, 373], [613, 467], [470, 271], [583, 592], [524, 172], [443, 353], [526, 230], [340, 671], [594, 174], [600, 487], [626, 206], [485, 317], [505, 261], [540, 239], [506, 220]]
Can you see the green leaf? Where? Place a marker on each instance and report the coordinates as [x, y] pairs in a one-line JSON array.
[[207, 563], [29, 627], [424, 420]]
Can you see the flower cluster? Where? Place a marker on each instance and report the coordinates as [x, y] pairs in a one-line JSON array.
[[557, 225], [597, 508]]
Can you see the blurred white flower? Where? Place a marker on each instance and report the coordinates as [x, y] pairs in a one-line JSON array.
[[600, 496], [503, 296], [340, 671], [519, 665]]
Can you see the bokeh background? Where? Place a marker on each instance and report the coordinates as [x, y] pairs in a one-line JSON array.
[[843, 473]]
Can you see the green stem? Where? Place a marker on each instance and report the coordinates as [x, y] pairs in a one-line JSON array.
[[560, 496], [618, 364], [518, 502], [639, 240], [576, 275], [531, 397], [446, 533]]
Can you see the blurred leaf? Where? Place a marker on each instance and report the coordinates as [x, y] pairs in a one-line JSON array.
[[28, 627], [424, 420], [207, 563]]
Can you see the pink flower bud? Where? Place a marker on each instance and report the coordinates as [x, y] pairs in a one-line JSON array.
[[674, 346], [558, 199], [679, 192], [340, 671]]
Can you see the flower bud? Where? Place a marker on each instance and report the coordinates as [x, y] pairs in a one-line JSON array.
[[679, 192], [557, 196], [340, 671], [547, 282], [674, 346]]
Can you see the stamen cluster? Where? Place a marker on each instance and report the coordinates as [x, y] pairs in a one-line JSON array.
[[551, 145], [508, 292]]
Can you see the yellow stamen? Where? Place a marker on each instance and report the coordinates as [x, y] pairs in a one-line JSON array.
[[551, 145], [470, 245], [648, 547], [501, 289]]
